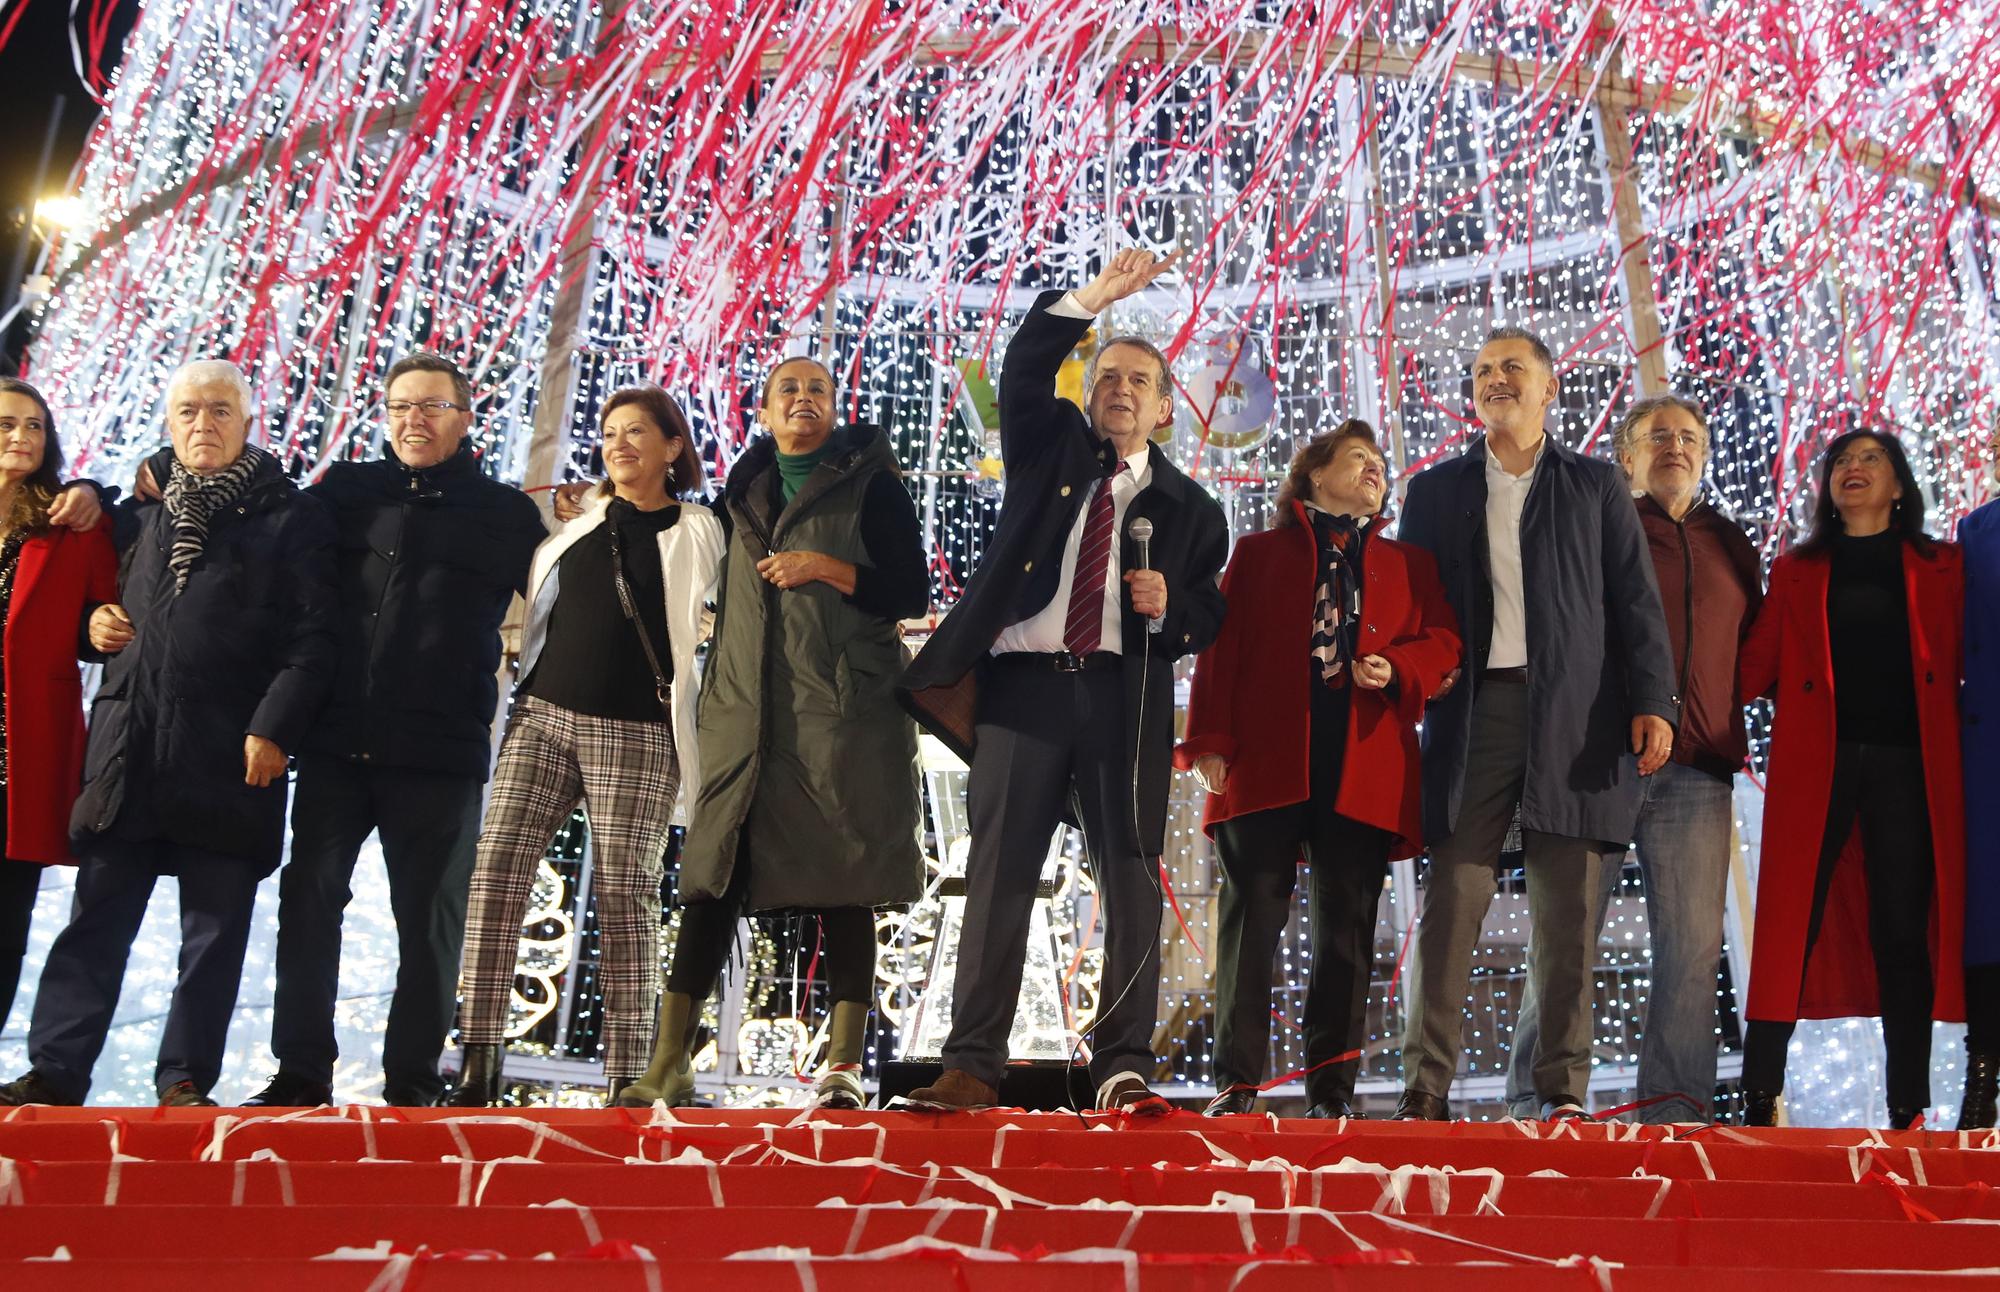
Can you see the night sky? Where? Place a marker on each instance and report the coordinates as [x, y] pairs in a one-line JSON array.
[[37, 67]]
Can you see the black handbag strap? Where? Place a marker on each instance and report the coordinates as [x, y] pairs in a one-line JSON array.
[[631, 607]]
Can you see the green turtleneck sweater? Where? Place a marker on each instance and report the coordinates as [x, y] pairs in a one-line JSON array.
[[793, 468]]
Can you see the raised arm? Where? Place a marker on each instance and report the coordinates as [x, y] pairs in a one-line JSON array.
[[1028, 420]]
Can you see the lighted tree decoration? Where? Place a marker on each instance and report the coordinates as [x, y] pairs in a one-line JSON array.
[[1779, 208]]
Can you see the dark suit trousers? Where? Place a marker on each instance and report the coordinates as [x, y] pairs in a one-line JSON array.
[[429, 827], [1565, 876], [86, 966], [1043, 738]]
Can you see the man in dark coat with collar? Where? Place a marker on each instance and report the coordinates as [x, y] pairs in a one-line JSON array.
[[221, 649], [1566, 698], [1053, 678], [430, 554]]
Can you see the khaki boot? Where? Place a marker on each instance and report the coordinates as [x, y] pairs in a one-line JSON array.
[[668, 1079], [840, 1079]]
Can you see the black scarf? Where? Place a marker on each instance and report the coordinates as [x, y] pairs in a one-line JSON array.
[[195, 500], [1337, 598]]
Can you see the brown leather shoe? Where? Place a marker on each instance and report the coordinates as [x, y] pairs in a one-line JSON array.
[[183, 1094], [956, 1089]]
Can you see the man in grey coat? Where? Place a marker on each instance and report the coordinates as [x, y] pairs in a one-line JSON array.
[[1567, 698]]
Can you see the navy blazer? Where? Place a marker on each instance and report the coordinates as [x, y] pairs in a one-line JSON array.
[[1598, 653], [1052, 464]]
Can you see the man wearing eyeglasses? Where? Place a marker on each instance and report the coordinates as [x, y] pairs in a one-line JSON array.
[[431, 553], [1710, 586]]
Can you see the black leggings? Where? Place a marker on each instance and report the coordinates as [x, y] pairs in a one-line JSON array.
[[1882, 786], [19, 881], [708, 931]]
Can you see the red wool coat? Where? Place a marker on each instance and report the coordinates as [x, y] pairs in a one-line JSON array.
[[1787, 657], [60, 571], [1250, 702]]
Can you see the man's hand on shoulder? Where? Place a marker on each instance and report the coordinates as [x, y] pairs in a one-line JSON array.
[[77, 507], [1127, 272]]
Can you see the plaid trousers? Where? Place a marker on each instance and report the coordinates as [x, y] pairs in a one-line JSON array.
[[626, 775]]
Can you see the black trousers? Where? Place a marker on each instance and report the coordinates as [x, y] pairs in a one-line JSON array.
[[19, 882], [429, 827], [1881, 786], [1047, 738], [1259, 853], [85, 970]]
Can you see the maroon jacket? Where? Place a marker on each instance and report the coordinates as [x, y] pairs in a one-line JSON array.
[[1709, 578]]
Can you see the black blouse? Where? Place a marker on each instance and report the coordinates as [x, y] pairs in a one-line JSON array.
[[1868, 632], [592, 661]]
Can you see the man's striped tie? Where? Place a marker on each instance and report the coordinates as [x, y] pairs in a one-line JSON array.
[[1083, 625]]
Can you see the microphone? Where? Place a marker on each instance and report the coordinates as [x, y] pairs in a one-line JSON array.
[[1141, 531]]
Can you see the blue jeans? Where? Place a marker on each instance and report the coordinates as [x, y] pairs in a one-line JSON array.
[[1683, 845]]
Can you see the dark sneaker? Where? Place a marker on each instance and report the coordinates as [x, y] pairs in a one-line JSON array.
[[288, 1091], [31, 1087]]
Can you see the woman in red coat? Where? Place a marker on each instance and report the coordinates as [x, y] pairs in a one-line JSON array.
[[1302, 725], [48, 575], [1858, 642]]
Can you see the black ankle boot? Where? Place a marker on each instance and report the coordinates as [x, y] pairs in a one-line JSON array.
[[1982, 1091], [1903, 1118], [1760, 1108], [478, 1084]]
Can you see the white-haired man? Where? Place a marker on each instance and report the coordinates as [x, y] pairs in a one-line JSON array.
[[219, 654]]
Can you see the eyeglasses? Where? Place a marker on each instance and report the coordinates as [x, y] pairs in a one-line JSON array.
[[1683, 439], [426, 407]]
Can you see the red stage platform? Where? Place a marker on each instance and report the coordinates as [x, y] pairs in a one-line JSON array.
[[372, 1199]]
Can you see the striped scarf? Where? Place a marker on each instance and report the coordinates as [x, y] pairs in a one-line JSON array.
[[195, 500], [1337, 598]]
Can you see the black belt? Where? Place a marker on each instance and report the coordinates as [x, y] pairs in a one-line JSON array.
[[1517, 675], [1061, 661]]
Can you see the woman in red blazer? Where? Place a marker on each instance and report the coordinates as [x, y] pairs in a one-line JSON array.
[[1302, 725], [1858, 642], [48, 576]]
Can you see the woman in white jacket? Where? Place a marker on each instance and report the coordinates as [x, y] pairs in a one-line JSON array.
[[603, 716]]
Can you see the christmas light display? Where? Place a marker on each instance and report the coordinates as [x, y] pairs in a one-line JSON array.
[[1781, 208]]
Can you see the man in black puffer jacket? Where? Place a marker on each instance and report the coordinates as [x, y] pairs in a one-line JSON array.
[[431, 552], [221, 652]]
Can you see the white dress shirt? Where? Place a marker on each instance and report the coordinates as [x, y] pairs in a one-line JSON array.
[[1043, 631], [1506, 496]]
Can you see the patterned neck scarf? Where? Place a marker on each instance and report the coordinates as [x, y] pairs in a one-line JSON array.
[[195, 500], [1337, 600]]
